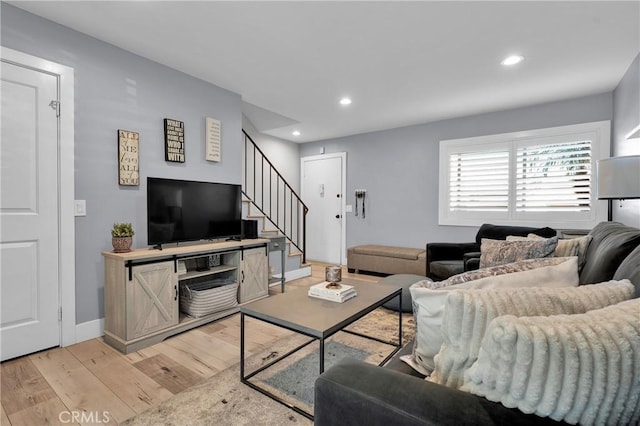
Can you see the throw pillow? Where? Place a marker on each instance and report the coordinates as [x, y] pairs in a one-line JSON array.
[[468, 313], [566, 247], [498, 252], [575, 368], [428, 303]]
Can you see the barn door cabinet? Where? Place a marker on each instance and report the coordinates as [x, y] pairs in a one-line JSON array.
[[142, 287]]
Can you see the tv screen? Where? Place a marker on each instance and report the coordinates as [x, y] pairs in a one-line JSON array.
[[181, 210]]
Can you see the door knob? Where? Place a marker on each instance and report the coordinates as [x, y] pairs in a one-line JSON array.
[[338, 216]]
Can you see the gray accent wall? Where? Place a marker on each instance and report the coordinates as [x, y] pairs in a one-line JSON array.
[[284, 155], [115, 89], [626, 116], [399, 168]]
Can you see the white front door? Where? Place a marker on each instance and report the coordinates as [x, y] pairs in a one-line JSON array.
[[29, 212], [322, 192]]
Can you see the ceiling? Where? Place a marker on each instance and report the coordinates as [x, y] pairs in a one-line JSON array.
[[402, 63]]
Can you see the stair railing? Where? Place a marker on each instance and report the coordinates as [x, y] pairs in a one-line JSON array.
[[270, 193]]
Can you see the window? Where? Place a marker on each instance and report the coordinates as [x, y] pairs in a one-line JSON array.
[[543, 177]]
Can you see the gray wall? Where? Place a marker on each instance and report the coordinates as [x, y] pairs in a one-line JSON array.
[[399, 168], [114, 90], [284, 155], [626, 116]]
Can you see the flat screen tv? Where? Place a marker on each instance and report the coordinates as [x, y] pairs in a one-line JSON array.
[[181, 210]]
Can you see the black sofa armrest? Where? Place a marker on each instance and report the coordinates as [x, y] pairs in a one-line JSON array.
[[449, 251], [356, 393], [471, 261]]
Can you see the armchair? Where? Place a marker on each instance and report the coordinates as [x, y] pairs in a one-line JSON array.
[[447, 259]]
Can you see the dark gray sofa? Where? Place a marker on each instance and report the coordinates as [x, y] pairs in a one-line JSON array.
[[357, 393]]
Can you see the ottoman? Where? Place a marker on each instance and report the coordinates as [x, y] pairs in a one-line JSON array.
[[387, 259], [404, 281]]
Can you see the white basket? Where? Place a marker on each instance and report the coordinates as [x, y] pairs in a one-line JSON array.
[[199, 299]]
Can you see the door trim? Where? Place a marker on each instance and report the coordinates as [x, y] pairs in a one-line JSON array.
[[66, 188], [343, 204]]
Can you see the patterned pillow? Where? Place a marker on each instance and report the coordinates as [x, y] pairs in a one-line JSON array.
[[566, 247], [576, 368], [428, 299], [468, 313], [498, 252]]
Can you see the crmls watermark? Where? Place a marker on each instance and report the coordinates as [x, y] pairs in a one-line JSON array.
[[84, 417]]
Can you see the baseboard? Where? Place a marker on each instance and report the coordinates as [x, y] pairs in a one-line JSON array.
[[305, 271], [89, 330]]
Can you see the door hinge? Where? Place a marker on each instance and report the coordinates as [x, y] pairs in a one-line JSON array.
[[60, 314], [55, 105]]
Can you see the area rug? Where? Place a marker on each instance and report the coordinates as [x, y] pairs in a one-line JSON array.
[[224, 400]]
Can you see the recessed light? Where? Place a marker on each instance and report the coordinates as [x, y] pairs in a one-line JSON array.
[[345, 101], [512, 60], [295, 133]]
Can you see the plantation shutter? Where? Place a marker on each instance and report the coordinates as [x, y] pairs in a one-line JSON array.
[[479, 181], [554, 177]]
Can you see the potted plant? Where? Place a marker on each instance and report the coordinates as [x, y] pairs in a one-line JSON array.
[[122, 234]]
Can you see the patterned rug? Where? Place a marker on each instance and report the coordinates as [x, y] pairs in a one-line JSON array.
[[224, 400]]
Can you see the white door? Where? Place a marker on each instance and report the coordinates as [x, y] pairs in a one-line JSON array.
[[28, 212], [322, 192]]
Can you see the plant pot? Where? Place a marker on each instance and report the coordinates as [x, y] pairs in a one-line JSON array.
[[121, 244]]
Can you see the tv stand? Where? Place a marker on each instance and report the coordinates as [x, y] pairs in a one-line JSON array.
[[157, 247], [233, 239], [142, 288]]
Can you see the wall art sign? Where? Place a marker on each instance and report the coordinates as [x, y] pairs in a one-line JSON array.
[[173, 140], [212, 143], [128, 161]]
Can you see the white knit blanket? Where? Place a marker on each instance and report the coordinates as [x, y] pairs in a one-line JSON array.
[[467, 315], [577, 368]]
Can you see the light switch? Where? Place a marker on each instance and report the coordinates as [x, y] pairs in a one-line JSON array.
[[80, 207], [349, 208]]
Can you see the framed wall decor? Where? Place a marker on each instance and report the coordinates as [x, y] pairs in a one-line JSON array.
[[128, 158], [173, 140], [212, 143]]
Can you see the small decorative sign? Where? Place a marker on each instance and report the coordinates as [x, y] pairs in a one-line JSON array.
[[213, 139], [173, 140], [128, 165]]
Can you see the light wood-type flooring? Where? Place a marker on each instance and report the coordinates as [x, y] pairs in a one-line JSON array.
[[92, 383]]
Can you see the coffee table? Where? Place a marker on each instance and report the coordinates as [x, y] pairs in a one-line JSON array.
[[318, 319]]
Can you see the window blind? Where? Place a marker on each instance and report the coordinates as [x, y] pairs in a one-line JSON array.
[[479, 181], [554, 177]]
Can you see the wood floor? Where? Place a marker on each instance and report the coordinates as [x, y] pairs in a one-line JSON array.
[[92, 383]]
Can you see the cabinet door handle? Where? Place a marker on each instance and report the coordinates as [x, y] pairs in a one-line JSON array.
[[175, 287], [242, 276]]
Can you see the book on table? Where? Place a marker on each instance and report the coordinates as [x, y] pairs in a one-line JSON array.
[[345, 292]]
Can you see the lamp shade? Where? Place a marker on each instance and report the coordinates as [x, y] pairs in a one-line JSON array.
[[619, 178]]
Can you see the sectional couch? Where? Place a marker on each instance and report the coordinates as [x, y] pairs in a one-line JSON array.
[[354, 392]]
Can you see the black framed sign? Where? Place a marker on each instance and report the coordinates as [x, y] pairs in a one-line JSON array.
[[128, 164], [173, 140]]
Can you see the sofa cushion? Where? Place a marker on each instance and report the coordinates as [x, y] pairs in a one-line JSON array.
[[500, 232], [611, 243], [468, 313], [446, 268], [566, 247], [429, 297], [389, 251], [577, 368], [498, 252], [630, 269]]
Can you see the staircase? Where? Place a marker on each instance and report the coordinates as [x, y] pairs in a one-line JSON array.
[[270, 199]]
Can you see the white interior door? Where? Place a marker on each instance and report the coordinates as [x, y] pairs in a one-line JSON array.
[[323, 193], [28, 212]]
